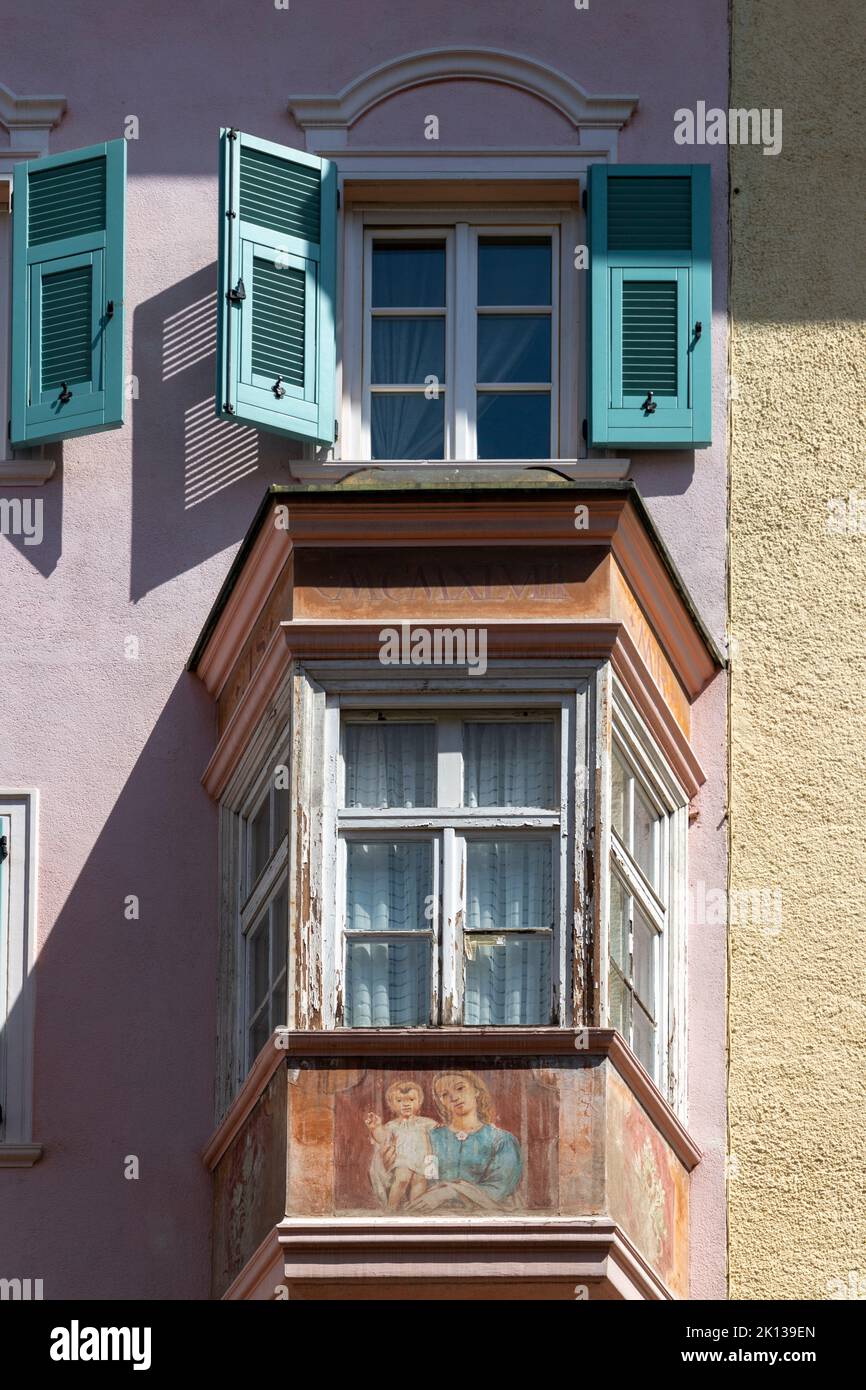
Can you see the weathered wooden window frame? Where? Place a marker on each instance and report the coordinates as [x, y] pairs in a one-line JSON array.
[[461, 227], [666, 908], [450, 827], [321, 690]]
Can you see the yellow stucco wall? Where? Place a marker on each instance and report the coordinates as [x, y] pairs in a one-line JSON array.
[[798, 625]]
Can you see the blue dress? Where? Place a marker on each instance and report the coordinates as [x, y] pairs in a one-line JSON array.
[[489, 1158]]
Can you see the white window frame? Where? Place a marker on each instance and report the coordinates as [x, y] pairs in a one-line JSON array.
[[666, 905], [18, 822], [461, 227]]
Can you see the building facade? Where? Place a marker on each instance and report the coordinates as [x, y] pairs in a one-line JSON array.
[[364, 769]]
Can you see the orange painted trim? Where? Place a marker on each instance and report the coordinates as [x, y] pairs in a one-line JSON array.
[[256, 698], [260, 573]]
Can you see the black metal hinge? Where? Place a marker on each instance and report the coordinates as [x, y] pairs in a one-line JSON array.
[[584, 200], [584, 429], [4, 848], [336, 429]]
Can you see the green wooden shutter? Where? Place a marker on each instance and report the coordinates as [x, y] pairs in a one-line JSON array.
[[650, 288], [276, 338], [67, 294]]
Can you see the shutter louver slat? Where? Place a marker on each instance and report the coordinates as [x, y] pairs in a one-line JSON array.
[[68, 201], [66, 303], [284, 197], [649, 337], [278, 322]]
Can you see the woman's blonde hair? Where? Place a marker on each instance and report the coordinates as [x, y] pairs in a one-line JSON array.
[[486, 1111]]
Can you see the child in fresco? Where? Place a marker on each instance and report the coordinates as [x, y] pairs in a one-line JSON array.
[[406, 1139], [473, 1165]]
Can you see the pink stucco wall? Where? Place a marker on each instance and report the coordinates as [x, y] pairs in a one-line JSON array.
[[140, 528]]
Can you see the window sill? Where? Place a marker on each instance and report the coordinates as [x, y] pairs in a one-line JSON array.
[[19, 1155], [576, 470], [25, 472]]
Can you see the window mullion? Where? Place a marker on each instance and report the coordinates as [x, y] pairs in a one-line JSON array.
[[452, 913], [464, 331]]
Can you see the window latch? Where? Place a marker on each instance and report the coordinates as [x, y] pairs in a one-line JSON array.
[[649, 404], [237, 294], [109, 310], [65, 393], [278, 388], [699, 328]]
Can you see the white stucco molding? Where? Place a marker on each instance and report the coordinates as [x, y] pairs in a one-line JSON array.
[[327, 120], [29, 119]]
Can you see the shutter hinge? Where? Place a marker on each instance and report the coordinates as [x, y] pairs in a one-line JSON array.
[[4, 848], [8, 429], [231, 133], [336, 430], [584, 429], [584, 200], [339, 199], [237, 294], [229, 408]]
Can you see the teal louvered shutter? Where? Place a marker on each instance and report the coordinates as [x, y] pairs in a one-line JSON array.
[[276, 338], [650, 317], [67, 294]]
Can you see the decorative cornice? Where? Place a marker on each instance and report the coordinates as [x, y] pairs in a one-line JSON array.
[[498, 1250], [26, 117], [267, 556], [254, 1280], [444, 64], [257, 695]]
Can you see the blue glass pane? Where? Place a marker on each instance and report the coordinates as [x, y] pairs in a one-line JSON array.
[[515, 425], [507, 980], [406, 351], [408, 276], [513, 347], [404, 426], [514, 271], [389, 886], [387, 983]]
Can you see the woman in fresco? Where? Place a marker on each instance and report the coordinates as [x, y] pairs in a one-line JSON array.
[[477, 1166]]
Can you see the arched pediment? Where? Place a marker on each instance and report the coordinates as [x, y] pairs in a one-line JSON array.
[[432, 65]]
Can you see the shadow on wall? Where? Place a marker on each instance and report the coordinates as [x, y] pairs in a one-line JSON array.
[[196, 480], [124, 1036]]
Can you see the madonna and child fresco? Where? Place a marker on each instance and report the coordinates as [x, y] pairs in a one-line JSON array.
[[459, 1160]]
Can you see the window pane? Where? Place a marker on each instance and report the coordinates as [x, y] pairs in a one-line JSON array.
[[406, 351], [387, 983], [389, 886], [281, 814], [407, 426], [508, 764], [619, 1004], [513, 347], [507, 980], [259, 1034], [279, 933], [509, 885], [279, 1016], [619, 924], [515, 425], [619, 798], [390, 765], [260, 839], [514, 270], [644, 960], [257, 956], [644, 1039], [408, 275], [645, 835]]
